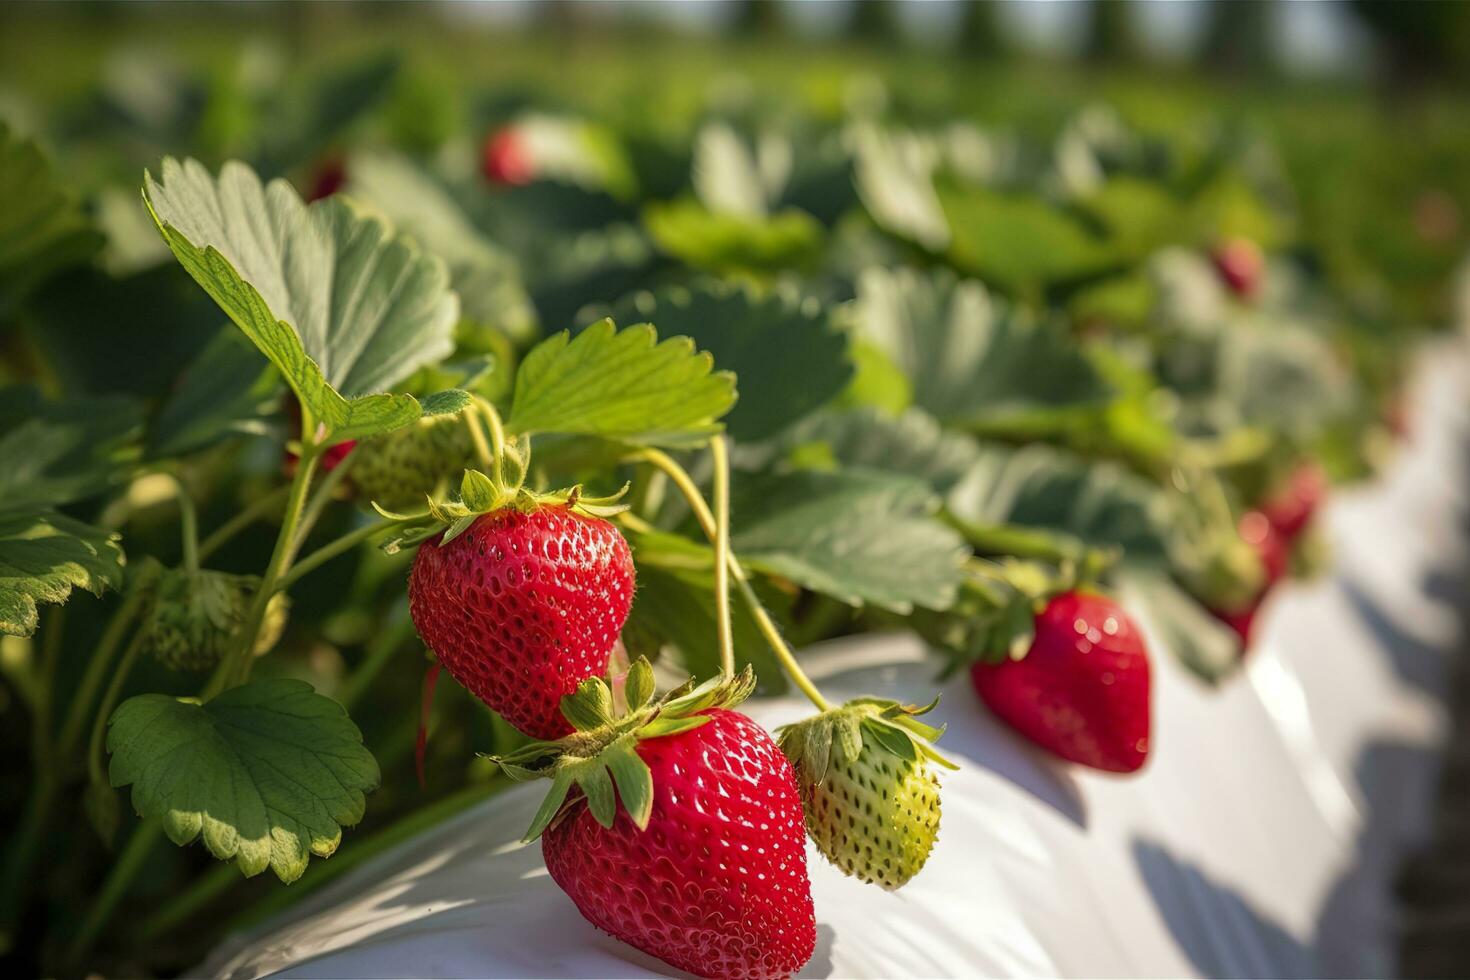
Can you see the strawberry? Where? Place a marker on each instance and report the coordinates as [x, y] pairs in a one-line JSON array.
[[399, 469], [522, 606], [505, 158], [1290, 509], [1259, 532], [328, 178], [194, 617], [685, 838], [1241, 265], [871, 801], [1082, 689]]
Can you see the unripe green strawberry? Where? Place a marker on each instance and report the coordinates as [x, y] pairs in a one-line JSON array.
[[194, 618], [870, 797], [399, 469]]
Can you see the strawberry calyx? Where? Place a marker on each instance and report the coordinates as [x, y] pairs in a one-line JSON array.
[[836, 736], [994, 617], [600, 758], [481, 494]]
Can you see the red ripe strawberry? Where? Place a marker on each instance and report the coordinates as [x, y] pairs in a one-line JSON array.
[[716, 883], [1241, 265], [522, 607], [1082, 691], [1257, 529], [328, 178], [505, 158], [1290, 510]]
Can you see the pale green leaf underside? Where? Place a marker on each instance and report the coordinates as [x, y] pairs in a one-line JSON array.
[[338, 304], [972, 360], [43, 556], [266, 774], [860, 537], [621, 385]]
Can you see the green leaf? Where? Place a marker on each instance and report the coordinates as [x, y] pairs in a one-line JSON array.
[[229, 390], [621, 384], [725, 243], [450, 402], [975, 361], [43, 556], [42, 227], [1037, 486], [336, 301], [787, 354], [597, 785], [1209, 648], [854, 535], [1020, 242], [267, 774], [639, 685], [911, 443], [314, 112], [53, 453], [486, 276]]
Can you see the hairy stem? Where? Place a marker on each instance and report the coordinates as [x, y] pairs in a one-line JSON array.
[[491, 418], [332, 549], [257, 509], [236, 666], [188, 526], [320, 498], [722, 555], [104, 711], [471, 419], [763, 621]]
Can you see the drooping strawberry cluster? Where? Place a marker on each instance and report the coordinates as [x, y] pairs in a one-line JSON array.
[[523, 606]]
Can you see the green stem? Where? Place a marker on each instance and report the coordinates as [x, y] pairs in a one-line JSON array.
[[129, 863], [491, 418], [471, 419], [46, 687], [81, 705], [1017, 542], [722, 555], [763, 621], [104, 712], [188, 526], [236, 666], [331, 550], [320, 498], [257, 509]]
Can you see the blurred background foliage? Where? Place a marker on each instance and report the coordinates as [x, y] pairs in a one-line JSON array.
[[1047, 150]]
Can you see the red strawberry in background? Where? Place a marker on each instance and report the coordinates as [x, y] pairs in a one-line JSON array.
[[522, 607], [329, 458], [1290, 509], [1082, 690], [716, 883], [328, 178], [1241, 265], [1259, 531], [506, 159]]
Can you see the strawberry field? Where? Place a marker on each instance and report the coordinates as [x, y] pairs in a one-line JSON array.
[[389, 422]]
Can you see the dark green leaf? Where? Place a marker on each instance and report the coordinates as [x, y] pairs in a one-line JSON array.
[[266, 774], [789, 356], [43, 556], [42, 227]]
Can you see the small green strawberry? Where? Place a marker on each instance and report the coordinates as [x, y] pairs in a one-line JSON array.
[[871, 800], [194, 617], [399, 469]]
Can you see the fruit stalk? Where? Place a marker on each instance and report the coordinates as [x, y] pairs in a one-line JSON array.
[[234, 668], [332, 549], [257, 509], [722, 555], [104, 712], [188, 526], [710, 526], [491, 418]]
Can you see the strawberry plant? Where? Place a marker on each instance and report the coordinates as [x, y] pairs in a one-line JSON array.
[[607, 412]]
